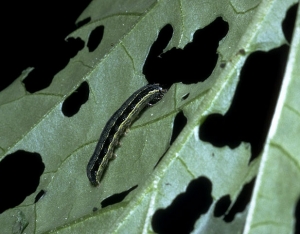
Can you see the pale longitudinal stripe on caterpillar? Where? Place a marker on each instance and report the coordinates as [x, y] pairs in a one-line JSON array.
[[116, 126]]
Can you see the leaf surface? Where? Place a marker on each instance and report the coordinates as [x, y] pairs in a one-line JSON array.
[[161, 172]]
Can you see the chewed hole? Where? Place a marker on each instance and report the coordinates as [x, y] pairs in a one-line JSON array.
[[241, 201], [194, 63], [222, 205], [249, 117], [41, 77], [223, 64], [288, 24], [116, 198], [185, 209], [297, 216], [185, 96], [23, 168], [83, 22], [72, 104], [179, 123], [39, 196], [95, 38]]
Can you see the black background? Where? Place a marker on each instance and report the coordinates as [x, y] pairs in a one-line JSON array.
[[33, 34]]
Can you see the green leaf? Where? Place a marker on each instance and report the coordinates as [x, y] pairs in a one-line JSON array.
[[113, 72], [277, 185]]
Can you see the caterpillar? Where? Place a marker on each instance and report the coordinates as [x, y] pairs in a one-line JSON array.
[[116, 126]]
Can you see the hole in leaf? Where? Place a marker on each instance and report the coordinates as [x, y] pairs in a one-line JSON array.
[[184, 97], [116, 198], [160, 44], [288, 24], [222, 64], [185, 209], [241, 202], [35, 38], [222, 205], [83, 22], [192, 64], [19, 177], [179, 123], [297, 217], [39, 196], [95, 38], [159, 160], [250, 114], [242, 52], [73, 103], [42, 76]]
